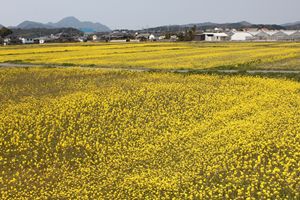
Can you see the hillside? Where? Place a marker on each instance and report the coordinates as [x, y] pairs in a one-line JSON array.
[[84, 26], [292, 26], [210, 25], [68, 22], [32, 25]]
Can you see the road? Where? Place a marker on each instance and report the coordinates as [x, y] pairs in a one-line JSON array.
[[227, 71]]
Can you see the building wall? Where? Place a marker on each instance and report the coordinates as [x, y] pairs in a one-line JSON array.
[[27, 41], [243, 36]]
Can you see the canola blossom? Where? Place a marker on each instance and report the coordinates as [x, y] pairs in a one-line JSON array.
[[159, 55], [93, 134]]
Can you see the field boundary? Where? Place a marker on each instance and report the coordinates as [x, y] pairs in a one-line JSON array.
[[226, 71]]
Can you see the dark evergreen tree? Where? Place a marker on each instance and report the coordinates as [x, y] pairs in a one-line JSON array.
[[5, 32]]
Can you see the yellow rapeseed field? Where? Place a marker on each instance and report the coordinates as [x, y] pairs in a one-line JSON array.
[[92, 134], [160, 55]]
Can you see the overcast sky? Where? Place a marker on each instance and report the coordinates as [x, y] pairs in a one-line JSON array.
[[136, 14]]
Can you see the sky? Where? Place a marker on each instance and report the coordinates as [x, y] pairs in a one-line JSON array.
[[138, 14]]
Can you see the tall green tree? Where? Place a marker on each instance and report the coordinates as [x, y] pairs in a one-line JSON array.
[[5, 32]]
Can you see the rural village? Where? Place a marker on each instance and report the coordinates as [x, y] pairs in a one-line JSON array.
[[211, 35]]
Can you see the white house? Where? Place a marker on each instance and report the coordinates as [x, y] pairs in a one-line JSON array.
[[152, 37], [95, 37], [162, 37], [241, 36], [215, 37], [174, 38], [27, 40], [218, 29], [6, 41]]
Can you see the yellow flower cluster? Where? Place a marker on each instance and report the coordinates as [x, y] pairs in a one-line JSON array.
[[92, 134], [159, 55]]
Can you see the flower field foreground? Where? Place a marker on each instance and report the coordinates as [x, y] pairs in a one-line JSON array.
[[164, 55], [91, 134]]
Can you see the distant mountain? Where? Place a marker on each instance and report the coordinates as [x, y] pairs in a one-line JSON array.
[[210, 25], [268, 26], [203, 26], [1, 26], [68, 22], [292, 26], [245, 23], [31, 25], [83, 26]]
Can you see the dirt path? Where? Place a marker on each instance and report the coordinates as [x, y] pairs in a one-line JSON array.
[[229, 71]]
